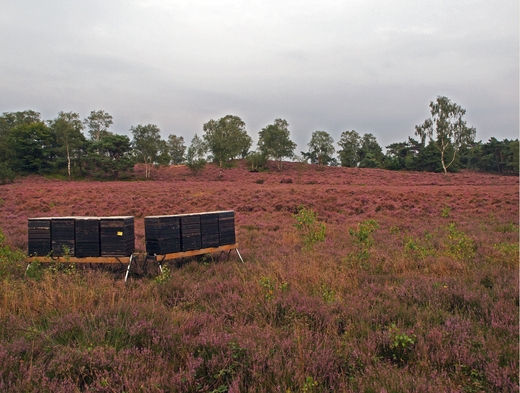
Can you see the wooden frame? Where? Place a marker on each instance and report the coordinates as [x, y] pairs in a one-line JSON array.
[[104, 260], [183, 254]]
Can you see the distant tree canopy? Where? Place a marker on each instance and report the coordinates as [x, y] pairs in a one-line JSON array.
[[446, 129], [321, 149], [350, 144], [226, 138], [147, 144], [274, 141], [29, 145]]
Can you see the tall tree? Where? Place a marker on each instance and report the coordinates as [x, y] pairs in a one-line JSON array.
[[67, 127], [111, 155], [226, 138], [350, 143], [10, 120], [32, 148], [370, 153], [195, 157], [321, 148], [176, 149], [274, 141], [446, 129], [98, 124], [147, 144]]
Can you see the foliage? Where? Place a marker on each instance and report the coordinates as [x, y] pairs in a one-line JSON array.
[[10, 260], [32, 148], [98, 124], [147, 144], [370, 153], [67, 128], [363, 238], [111, 155], [310, 229], [274, 141], [6, 174], [401, 344], [226, 138], [350, 143], [256, 161], [459, 245], [176, 149], [321, 149], [195, 158], [446, 129]]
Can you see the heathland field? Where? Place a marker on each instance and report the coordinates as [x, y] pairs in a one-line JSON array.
[[355, 280]]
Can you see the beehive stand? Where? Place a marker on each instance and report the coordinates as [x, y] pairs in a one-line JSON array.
[[103, 260], [185, 254]]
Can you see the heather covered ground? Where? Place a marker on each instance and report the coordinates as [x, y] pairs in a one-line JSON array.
[[414, 288]]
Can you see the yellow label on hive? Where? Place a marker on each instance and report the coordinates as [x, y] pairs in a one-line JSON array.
[[119, 233]]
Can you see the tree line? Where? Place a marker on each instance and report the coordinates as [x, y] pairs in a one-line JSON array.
[[87, 148]]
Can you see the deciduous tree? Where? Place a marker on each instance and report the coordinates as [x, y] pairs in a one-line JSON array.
[[146, 144], [446, 129], [98, 124], [226, 138], [196, 155], [321, 148], [350, 143], [274, 141], [67, 128], [176, 149]]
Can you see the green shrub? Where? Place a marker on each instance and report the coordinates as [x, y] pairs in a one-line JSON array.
[[310, 229]]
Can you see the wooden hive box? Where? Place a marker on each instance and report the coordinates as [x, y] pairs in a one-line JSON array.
[[39, 236], [209, 229], [162, 234], [226, 225], [63, 236], [191, 238], [117, 236], [88, 237]]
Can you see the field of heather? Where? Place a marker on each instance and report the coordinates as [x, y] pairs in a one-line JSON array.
[[414, 287]]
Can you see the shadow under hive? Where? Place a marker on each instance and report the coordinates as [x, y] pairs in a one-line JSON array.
[[209, 230], [190, 232], [87, 237], [117, 236], [39, 236], [63, 236], [226, 225], [162, 234]]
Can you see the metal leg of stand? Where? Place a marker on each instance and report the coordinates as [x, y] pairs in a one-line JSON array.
[[240, 256], [128, 268], [27, 269]]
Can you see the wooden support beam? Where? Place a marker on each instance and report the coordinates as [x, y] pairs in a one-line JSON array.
[[107, 260], [184, 254]]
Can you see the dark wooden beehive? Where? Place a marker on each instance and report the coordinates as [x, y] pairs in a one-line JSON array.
[[209, 230], [87, 237], [226, 225], [191, 238], [39, 236], [117, 236], [63, 236], [162, 234]]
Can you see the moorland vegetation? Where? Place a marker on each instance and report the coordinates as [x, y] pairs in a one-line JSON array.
[[355, 280]]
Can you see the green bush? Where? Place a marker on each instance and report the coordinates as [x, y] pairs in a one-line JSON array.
[[310, 229]]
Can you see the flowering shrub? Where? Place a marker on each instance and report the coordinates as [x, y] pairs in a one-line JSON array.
[[425, 312]]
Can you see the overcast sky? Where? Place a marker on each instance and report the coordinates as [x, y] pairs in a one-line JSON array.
[[371, 66]]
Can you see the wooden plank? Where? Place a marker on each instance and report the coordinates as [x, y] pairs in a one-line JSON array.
[[192, 253], [122, 260]]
